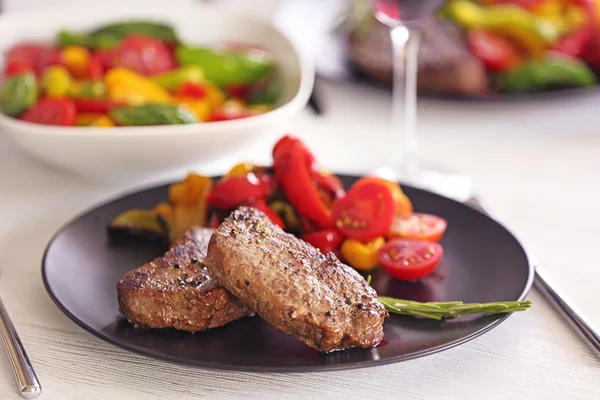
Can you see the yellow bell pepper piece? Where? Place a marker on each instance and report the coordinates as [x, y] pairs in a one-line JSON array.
[[104, 121], [189, 203], [201, 108], [86, 119], [215, 95], [56, 82], [76, 59], [362, 256], [163, 209], [564, 15], [533, 32], [240, 169], [189, 190], [132, 88]]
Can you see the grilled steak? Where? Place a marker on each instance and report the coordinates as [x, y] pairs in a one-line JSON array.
[[323, 302], [446, 65], [175, 291]]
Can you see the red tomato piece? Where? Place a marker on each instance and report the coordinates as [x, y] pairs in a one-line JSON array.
[[143, 54], [49, 58], [410, 260], [418, 226], [238, 91], [261, 204], [191, 89], [232, 192], [51, 111], [26, 52], [293, 172], [328, 240], [496, 52], [100, 106], [366, 212], [95, 70], [17, 67], [230, 113]]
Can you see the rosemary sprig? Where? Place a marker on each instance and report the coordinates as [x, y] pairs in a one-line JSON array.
[[450, 309]]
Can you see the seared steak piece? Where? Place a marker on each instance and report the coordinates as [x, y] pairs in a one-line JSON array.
[[446, 65], [323, 302], [176, 291]]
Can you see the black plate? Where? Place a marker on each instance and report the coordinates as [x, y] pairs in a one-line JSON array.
[[483, 262]]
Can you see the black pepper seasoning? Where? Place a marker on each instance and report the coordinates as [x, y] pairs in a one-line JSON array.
[[177, 265], [328, 313], [247, 283], [194, 260]]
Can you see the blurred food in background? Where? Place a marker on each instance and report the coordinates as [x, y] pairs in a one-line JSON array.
[[135, 73], [475, 47]]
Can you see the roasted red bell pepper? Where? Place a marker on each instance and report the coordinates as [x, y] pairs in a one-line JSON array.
[[237, 190], [286, 144], [497, 53], [294, 172], [331, 184], [576, 43], [591, 55], [100, 106], [94, 68], [191, 89], [261, 204], [326, 240]]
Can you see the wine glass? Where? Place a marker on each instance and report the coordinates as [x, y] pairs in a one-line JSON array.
[[403, 17]]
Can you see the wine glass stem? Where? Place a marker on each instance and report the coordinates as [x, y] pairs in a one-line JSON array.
[[405, 43]]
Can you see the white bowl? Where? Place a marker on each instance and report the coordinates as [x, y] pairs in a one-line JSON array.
[[139, 152]]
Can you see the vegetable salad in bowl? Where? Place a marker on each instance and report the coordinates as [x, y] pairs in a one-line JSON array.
[[136, 74]]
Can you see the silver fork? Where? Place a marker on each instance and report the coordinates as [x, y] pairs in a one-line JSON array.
[[26, 379]]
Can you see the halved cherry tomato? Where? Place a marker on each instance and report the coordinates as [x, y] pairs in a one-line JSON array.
[[366, 212], [101, 106], [140, 53], [418, 226], [51, 111], [404, 206], [237, 190], [326, 240], [261, 204], [410, 260], [191, 89], [497, 53], [293, 171], [95, 70]]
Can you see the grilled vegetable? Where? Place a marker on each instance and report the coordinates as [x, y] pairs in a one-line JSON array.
[[152, 114], [362, 256], [19, 93]]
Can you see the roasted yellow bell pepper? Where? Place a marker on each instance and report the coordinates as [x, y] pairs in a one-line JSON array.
[[533, 32], [362, 256], [56, 82], [240, 169], [564, 15], [76, 59], [201, 108], [132, 88], [189, 203], [215, 95]]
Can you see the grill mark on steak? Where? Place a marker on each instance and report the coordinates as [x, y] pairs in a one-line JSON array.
[[292, 285], [176, 290]]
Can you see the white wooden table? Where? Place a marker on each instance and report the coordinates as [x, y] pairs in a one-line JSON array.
[[535, 165]]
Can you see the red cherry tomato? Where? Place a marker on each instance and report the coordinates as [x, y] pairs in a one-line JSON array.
[[366, 212], [51, 111], [326, 240], [26, 52], [143, 54], [232, 192], [17, 67], [410, 260], [237, 91], [261, 204], [418, 226], [95, 70], [330, 184], [497, 53]]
